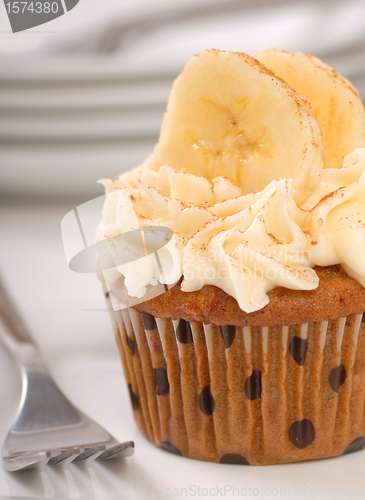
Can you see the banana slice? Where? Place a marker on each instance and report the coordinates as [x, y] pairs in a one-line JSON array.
[[227, 115], [336, 103]]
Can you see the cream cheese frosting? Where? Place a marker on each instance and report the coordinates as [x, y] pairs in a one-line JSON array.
[[244, 244]]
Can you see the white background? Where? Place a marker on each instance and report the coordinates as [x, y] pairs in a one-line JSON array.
[[64, 115]]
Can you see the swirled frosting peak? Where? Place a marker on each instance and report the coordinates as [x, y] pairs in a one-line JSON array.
[[250, 251]]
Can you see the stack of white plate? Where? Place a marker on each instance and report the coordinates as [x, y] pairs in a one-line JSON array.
[[73, 115], [66, 123]]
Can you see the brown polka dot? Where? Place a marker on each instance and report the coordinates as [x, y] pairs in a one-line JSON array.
[[149, 321], [337, 377], [206, 401], [162, 382], [134, 398], [233, 458], [131, 344], [298, 349], [228, 332], [253, 387], [166, 445], [356, 445], [106, 294], [183, 332], [302, 433]]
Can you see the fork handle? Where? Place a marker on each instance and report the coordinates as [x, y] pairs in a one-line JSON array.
[[14, 333]]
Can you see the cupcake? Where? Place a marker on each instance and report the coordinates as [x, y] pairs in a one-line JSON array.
[[241, 333]]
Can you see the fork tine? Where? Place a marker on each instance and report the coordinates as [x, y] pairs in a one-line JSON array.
[[120, 450], [65, 457], [90, 453], [26, 461]]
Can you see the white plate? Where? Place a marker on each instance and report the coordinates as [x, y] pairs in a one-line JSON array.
[[135, 92], [77, 68], [81, 353], [67, 170], [88, 125]]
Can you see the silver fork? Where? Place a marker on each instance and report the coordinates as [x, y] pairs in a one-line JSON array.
[[47, 429]]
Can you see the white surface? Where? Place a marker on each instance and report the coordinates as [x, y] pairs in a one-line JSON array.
[[80, 350]]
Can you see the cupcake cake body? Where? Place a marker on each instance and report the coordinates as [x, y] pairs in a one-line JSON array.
[[241, 334]]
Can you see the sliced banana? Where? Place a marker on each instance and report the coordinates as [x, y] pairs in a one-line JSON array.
[[227, 115], [336, 103]]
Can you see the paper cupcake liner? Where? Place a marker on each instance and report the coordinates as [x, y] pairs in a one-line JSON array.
[[248, 395]]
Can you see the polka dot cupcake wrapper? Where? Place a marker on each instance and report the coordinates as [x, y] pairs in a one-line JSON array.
[[246, 395]]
